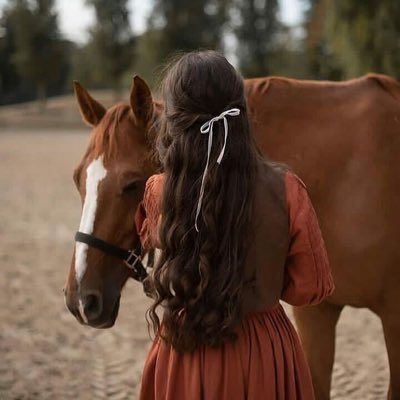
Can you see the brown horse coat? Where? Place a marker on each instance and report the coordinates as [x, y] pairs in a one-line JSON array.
[[343, 140]]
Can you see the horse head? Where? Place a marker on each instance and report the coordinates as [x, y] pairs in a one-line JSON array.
[[110, 179]]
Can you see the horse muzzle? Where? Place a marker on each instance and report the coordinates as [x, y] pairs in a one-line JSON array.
[[92, 309]]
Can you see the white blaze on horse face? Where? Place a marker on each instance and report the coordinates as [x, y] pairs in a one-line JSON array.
[[95, 173]]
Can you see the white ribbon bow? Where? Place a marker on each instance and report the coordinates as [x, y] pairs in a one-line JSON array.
[[208, 128]]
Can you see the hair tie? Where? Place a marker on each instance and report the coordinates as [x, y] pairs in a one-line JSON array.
[[208, 128]]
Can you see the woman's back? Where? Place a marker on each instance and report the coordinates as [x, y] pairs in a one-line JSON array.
[[264, 267], [286, 260], [237, 234]]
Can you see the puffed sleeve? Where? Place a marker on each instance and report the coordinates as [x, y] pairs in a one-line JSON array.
[[148, 214], [308, 278]]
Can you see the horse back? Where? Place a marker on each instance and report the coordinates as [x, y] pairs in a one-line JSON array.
[[343, 140]]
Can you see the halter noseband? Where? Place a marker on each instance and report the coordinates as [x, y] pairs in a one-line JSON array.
[[131, 258]]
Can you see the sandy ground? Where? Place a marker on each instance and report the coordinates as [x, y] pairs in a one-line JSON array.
[[44, 352], [61, 112]]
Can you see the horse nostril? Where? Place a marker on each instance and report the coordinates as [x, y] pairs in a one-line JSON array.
[[92, 306]]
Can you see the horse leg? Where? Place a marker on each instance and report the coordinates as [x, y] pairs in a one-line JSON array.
[[316, 325], [391, 329]]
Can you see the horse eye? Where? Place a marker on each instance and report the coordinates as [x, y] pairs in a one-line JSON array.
[[130, 187]]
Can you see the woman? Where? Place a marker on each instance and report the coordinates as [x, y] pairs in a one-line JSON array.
[[237, 235]]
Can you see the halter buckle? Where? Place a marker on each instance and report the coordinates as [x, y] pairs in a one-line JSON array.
[[132, 259]]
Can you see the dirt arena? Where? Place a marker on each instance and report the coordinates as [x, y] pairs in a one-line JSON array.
[[44, 352]]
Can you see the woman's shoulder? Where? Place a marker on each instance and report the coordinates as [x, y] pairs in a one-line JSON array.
[[270, 188], [272, 174], [155, 180], [153, 194], [280, 181], [296, 192], [270, 171], [284, 172], [293, 180], [154, 185]]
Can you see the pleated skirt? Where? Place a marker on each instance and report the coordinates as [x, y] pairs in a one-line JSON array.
[[265, 362]]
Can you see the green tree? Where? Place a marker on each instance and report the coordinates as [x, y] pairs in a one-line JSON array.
[[288, 57], [9, 78], [181, 25], [355, 37], [364, 36], [322, 63], [39, 52], [111, 44], [148, 59], [257, 35]]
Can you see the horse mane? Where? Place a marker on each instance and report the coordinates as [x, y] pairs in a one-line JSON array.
[[104, 139]]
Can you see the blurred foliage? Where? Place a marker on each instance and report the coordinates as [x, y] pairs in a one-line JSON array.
[[187, 25], [348, 38], [9, 78], [148, 62], [322, 64], [110, 50], [257, 32], [337, 39], [34, 45], [176, 26]]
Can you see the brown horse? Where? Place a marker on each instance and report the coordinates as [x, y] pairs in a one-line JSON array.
[[342, 139]]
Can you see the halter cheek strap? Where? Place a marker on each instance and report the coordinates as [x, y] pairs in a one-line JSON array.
[[208, 128], [131, 258]]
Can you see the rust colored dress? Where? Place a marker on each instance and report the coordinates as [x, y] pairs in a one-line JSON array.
[[267, 360]]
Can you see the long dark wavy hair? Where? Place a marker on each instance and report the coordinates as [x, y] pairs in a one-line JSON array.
[[198, 280]]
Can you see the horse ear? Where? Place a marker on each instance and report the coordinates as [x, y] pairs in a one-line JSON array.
[[91, 110], [141, 100]]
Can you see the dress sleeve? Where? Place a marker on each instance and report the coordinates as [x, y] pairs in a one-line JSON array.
[[307, 278], [148, 214]]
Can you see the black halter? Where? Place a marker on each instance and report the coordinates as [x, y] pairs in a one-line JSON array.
[[131, 258]]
